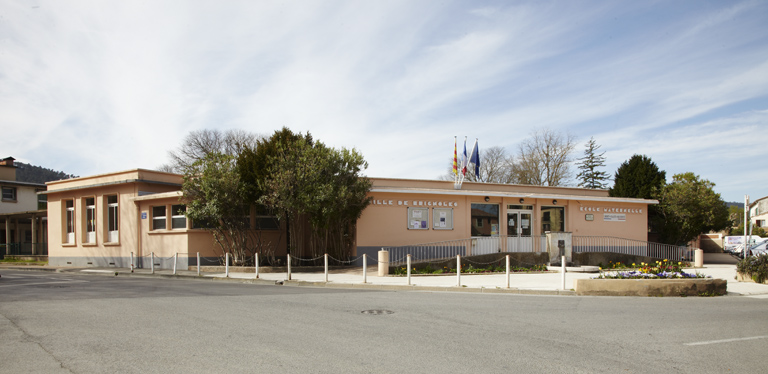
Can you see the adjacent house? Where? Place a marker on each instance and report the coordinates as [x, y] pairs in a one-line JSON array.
[[22, 214], [758, 212]]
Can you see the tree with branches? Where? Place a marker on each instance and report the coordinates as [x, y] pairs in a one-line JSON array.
[[200, 143], [544, 159], [589, 176]]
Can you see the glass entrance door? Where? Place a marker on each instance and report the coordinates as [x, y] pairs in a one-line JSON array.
[[519, 229]]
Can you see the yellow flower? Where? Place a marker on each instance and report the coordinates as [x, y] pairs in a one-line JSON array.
[[679, 263], [633, 264], [665, 260]]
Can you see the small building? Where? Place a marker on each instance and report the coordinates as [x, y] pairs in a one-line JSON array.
[[22, 214], [123, 218], [758, 212]]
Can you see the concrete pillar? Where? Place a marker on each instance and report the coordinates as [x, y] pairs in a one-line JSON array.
[[7, 235], [34, 235], [698, 257], [383, 263]]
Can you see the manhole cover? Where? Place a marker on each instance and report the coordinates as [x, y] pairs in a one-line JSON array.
[[377, 311]]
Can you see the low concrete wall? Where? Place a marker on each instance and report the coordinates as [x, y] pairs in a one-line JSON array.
[[747, 278], [651, 287]]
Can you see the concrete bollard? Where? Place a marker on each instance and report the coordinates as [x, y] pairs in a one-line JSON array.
[[226, 265], [152, 262], [408, 265], [365, 268], [562, 270], [198, 264], [326, 267], [458, 270], [175, 261], [507, 271], [131, 262], [383, 263], [256, 264], [288, 261], [698, 258]]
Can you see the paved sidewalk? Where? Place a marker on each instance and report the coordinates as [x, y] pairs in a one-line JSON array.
[[549, 283]]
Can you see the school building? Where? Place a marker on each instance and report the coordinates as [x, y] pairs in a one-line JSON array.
[[108, 219]]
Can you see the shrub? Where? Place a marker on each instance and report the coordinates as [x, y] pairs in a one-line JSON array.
[[755, 267]]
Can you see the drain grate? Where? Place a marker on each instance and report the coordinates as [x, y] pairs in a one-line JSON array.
[[377, 311]]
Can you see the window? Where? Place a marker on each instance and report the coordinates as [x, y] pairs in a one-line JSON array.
[[69, 221], [264, 220], [552, 219], [485, 219], [9, 193], [112, 220], [158, 218], [42, 201], [178, 219], [90, 220]]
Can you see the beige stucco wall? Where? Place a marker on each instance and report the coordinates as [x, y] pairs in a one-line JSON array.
[[127, 186], [384, 223], [26, 199]]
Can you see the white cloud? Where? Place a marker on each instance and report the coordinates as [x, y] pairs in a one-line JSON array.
[[94, 87]]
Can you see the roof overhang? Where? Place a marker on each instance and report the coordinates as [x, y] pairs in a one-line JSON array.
[[517, 195]]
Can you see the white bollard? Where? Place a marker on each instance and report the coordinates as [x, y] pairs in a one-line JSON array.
[[131, 262], [256, 264], [507, 271], [198, 264], [325, 259], [152, 262], [289, 266], [175, 261], [226, 265], [408, 262], [365, 269], [562, 270], [458, 270]]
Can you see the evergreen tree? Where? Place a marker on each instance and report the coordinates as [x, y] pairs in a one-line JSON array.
[[638, 177], [589, 176]]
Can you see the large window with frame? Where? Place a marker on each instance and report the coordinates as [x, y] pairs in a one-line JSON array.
[[552, 219], [485, 219], [159, 218], [69, 221], [178, 217], [113, 231], [90, 220]]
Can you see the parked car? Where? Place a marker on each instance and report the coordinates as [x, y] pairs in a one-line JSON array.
[[759, 249], [735, 244]]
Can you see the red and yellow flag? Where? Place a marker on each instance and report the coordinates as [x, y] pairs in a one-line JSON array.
[[455, 167]]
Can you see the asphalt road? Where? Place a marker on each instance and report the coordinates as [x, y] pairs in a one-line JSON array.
[[73, 323]]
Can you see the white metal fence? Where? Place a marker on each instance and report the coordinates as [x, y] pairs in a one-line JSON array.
[[499, 244]]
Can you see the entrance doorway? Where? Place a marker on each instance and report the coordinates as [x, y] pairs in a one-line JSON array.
[[519, 230]]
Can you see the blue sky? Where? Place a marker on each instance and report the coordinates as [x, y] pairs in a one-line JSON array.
[[89, 87]]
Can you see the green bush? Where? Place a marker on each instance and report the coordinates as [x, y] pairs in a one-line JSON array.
[[755, 267]]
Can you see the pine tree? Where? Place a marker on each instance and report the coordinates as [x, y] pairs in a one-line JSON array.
[[589, 176]]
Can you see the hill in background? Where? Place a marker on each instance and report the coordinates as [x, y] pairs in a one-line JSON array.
[[38, 174]]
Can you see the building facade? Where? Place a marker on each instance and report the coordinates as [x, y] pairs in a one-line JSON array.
[[114, 219], [22, 214]]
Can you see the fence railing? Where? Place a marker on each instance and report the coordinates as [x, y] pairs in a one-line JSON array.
[[583, 244], [498, 244], [480, 245], [25, 249]]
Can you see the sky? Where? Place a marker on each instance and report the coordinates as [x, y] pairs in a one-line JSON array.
[[90, 87]]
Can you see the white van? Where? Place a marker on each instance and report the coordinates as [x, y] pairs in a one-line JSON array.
[[735, 244]]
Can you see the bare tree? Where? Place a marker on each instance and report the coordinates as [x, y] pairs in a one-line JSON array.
[[545, 158], [198, 144]]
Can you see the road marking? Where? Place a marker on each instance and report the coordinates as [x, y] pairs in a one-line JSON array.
[[757, 296], [727, 340], [38, 283]]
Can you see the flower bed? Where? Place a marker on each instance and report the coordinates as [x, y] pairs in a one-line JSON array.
[[663, 278], [467, 269]]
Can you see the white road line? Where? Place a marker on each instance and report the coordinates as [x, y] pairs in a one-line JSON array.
[[727, 340], [38, 283]]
